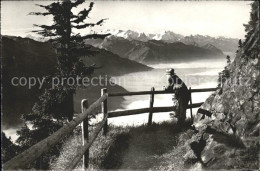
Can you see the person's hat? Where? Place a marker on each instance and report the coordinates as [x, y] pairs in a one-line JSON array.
[[170, 71]]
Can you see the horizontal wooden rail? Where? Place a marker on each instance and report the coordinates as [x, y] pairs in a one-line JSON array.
[[203, 90], [38, 149], [138, 93], [83, 149], [147, 110], [156, 92]]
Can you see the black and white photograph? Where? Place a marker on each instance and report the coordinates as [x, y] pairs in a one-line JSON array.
[[130, 85]]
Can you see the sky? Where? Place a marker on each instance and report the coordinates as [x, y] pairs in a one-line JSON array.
[[213, 18]]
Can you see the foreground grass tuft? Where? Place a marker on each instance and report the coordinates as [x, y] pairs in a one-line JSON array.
[[143, 147], [97, 151], [129, 147]]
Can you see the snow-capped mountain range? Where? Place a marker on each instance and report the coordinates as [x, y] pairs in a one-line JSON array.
[[222, 43], [168, 36]]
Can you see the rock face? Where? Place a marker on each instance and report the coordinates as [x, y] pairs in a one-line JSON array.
[[232, 131]]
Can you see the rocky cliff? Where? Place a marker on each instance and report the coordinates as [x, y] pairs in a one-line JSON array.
[[227, 137]]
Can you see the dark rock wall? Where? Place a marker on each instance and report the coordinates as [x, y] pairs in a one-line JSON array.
[[232, 131]]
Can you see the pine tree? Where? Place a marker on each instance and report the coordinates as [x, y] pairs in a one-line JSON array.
[[228, 60], [225, 74], [240, 43], [220, 79], [249, 28], [9, 149], [55, 105]]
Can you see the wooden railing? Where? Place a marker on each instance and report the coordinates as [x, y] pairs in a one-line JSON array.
[[157, 92], [152, 109], [31, 154]]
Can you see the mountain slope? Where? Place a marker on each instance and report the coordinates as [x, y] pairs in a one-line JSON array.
[[20, 58], [154, 51], [113, 65], [225, 44]]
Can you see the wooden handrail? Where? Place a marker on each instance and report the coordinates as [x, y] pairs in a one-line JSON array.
[[202, 90], [138, 93], [38, 149], [156, 92], [82, 149], [147, 110]]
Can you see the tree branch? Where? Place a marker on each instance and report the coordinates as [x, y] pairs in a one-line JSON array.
[[83, 14], [95, 36]]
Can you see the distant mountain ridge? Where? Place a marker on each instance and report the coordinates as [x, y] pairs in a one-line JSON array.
[[222, 43], [156, 51]]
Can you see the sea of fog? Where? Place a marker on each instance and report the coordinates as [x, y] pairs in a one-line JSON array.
[[202, 74]]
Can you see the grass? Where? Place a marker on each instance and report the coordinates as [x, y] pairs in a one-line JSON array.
[[142, 147], [97, 151], [124, 147]]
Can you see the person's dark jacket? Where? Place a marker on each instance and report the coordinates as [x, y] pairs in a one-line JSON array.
[[177, 85]]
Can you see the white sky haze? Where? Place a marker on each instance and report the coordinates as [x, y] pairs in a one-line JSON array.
[[214, 18]]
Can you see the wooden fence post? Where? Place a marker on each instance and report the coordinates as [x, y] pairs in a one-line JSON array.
[[150, 118], [104, 110], [39, 163], [85, 136], [191, 104]]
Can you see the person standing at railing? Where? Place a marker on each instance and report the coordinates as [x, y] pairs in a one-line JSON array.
[[182, 94]]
